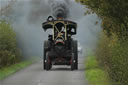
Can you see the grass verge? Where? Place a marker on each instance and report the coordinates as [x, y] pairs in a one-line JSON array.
[[4, 72], [94, 74]]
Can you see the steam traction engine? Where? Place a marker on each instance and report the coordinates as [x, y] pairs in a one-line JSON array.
[[60, 48]]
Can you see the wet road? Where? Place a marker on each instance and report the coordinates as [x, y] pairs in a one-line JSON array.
[[58, 75]]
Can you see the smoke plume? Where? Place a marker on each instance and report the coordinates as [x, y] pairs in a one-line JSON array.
[[60, 8], [27, 16]]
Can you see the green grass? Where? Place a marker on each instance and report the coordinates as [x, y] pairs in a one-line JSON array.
[[4, 72], [94, 74]]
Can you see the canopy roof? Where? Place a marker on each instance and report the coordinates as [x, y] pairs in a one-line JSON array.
[[50, 24]]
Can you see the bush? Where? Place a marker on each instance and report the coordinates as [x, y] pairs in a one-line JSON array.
[[112, 54], [9, 54], [112, 50], [7, 58]]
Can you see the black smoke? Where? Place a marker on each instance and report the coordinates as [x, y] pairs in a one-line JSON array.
[[60, 8], [27, 16]]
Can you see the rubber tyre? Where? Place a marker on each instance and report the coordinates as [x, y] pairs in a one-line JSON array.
[[72, 62], [44, 64], [44, 53], [48, 64], [75, 50]]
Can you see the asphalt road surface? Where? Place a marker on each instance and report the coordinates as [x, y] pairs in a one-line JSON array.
[[58, 75]]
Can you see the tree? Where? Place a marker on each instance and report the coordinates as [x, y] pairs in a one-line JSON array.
[[113, 13], [9, 53]]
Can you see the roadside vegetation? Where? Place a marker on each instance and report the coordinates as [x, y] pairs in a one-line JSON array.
[[11, 59], [112, 49], [112, 55], [6, 71], [94, 73], [9, 53]]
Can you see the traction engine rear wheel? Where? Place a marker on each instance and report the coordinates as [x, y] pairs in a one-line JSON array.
[[44, 60], [44, 53], [73, 62], [75, 50], [48, 62]]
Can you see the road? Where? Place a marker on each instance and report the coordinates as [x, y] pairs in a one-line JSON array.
[[58, 75]]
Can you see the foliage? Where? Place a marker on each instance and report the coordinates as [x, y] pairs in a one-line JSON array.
[[113, 13], [9, 54], [94, 74], [112, 54], [91, 63], [112, 50]]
